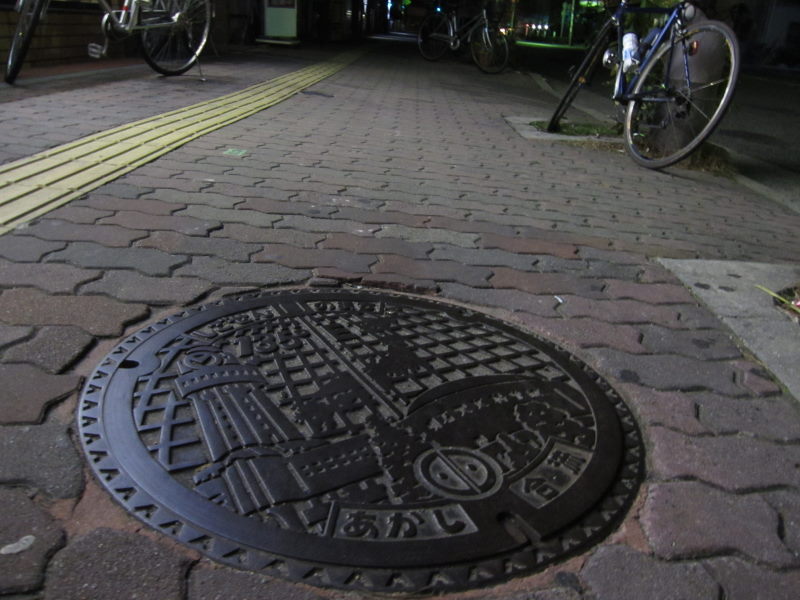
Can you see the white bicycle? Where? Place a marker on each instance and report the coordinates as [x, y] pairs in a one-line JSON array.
[[172, 32]]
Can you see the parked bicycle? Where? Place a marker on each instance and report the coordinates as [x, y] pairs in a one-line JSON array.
[[172, 32], [675, 83], [441, 31]]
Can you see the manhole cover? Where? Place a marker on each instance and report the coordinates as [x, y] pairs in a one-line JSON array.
[[361, 439]]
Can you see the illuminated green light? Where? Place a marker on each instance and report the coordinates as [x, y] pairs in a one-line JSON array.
[[549, 45]]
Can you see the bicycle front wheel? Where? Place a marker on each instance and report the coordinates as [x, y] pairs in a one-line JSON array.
[[174, 49], [682, 94], [582, 75], [30, 11], [490, 50], [433, 38]]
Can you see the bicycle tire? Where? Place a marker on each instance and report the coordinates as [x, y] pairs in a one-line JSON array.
[[584, 72], [490, 50], [432, 36], [29, 15], [174, 50], [682, 94]]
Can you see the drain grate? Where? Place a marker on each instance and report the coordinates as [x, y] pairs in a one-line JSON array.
[[361, 439]]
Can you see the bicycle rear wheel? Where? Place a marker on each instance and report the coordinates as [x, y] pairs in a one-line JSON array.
[[582, 75], [433, 38], [682, 95], [174, 49], [30, 11], [490, 50]]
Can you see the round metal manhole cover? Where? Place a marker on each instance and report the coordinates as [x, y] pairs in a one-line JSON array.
[[361, 439]]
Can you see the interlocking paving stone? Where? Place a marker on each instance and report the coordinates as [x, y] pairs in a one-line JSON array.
[[223, 272], [25, 248], [181, 199], [735, 463], [50, 278], [440, 270], [652, 293], [108, 235], [229, 215], [310, 224], [95, 314], [372, 245], [134, 287], [787, 503], [483, 257], [250, 234], [291, 256], [633, 311], [289, 207], [388, 281], [775, 418], [172, 242], [709, 344], [28, 537], [712, 522], [433, 236], [182, 223], [52, 348], [529, 245], [79, 214], [621, 573], [673, 410], [142, 205], [9, 334], [544, 283], [513, 300], [42, 457], [669, 372], [743, 580], [146, 260], [210, 583], [111, 564], [587, 333]]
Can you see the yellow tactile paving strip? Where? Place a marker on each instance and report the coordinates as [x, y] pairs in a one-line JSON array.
[[33, 186]]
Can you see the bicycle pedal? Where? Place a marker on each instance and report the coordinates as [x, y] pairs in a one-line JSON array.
[[96, 50]]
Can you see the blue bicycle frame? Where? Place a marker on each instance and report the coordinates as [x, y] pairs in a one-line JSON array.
[[621, 86]]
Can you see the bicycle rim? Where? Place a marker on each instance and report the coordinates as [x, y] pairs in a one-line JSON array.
[[29, 15], [582, 75], [490, 50], [175, 49], [433, 36], [682, 95]]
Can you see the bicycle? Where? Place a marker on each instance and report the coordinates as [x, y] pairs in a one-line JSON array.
[[172, 32], [441, 31], [675, 86]]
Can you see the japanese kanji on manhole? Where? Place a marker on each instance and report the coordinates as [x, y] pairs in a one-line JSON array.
[[361, 439]]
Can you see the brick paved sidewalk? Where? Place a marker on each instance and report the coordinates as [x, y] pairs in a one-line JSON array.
[[401, 174]]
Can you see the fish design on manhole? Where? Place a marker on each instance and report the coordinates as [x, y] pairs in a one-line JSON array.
[[361, 439]]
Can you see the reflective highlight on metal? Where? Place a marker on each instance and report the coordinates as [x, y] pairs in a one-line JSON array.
[[360, 439]]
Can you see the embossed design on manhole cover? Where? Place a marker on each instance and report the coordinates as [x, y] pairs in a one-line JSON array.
[[361, 439]]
